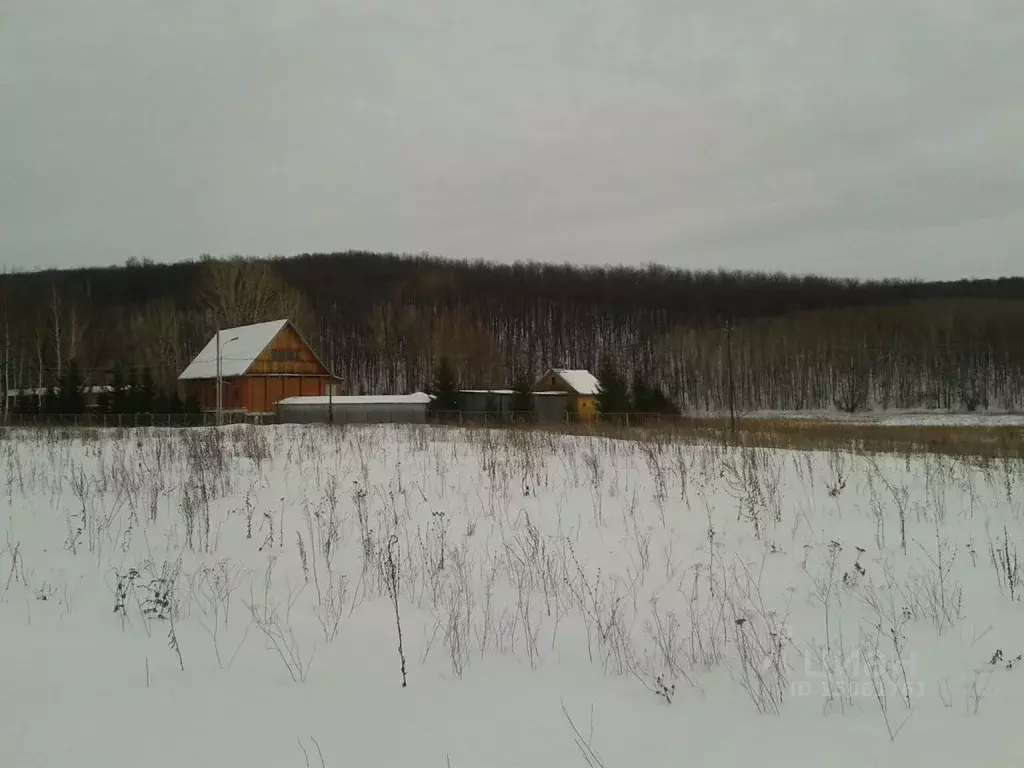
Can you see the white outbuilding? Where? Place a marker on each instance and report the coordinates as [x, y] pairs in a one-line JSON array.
[[355, 409]]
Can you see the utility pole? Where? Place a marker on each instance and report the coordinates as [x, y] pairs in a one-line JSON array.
[[219, 383], [330, 399], [220, 376], [732, 387], [6, 405]]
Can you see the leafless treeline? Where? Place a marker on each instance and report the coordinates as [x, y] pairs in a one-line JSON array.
[[382, 322], [942, 354]]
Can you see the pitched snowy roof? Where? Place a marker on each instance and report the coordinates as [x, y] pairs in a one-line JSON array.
[[581, 382], [417, 398], [239, 348]]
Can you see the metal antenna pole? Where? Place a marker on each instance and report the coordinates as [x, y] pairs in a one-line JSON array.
[[220, 416], [732, 385]]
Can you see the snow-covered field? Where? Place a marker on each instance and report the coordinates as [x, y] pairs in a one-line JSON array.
[[898, 418], [234, 597]]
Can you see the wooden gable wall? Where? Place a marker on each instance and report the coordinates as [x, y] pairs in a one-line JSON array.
[[550, 383], [287, 355]]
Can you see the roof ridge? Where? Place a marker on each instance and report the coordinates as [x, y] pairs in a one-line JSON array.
[[240, 347]]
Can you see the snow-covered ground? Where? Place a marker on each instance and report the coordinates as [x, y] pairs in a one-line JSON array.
[[899, 418], [224, 597]]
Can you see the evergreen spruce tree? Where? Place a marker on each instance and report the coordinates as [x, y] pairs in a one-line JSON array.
[[51, 400], [104, 402], [131, 392], [146, 396], [119, 392], [192, 404], [522, 402], [445, 389], [28, 404], [643, 400], [614, 396], [660, 403], [172, 403], [71, 398]]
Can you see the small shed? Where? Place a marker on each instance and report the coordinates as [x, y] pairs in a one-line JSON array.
[[580, 387], [486, 400], [355, 409]]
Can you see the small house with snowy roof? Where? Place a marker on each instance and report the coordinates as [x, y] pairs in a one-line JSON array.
[[580, 389]]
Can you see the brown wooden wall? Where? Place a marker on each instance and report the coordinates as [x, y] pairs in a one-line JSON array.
[[256, 394], [263, 392], [549, 384], [287, 344]]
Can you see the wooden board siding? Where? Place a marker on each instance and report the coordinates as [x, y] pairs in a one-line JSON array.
[[548, 384], [204, 393], [195, 389], [275, 391], [287, 354], [258, 394], [255, 394], [266, 391], [234, 393], [292, 386], [586, 407]]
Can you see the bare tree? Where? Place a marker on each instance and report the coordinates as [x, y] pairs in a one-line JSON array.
[[6, 362], [56, 328], [240, 292], [158, 333]]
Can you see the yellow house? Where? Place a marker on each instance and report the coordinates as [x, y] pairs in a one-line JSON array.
[[581, 388]]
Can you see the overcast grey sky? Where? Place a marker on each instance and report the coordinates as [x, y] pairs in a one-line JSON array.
[[862, 137]]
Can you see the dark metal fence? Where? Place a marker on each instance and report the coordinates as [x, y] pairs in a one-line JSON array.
[[498, 418], [131, 420], [209, 419]]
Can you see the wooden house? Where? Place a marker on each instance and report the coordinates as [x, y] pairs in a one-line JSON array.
[[581, 389], [260, 365]]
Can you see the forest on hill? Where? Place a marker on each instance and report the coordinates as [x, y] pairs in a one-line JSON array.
[[382, 322]]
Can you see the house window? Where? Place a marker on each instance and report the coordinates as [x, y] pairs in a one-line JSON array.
[[284, 355]]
